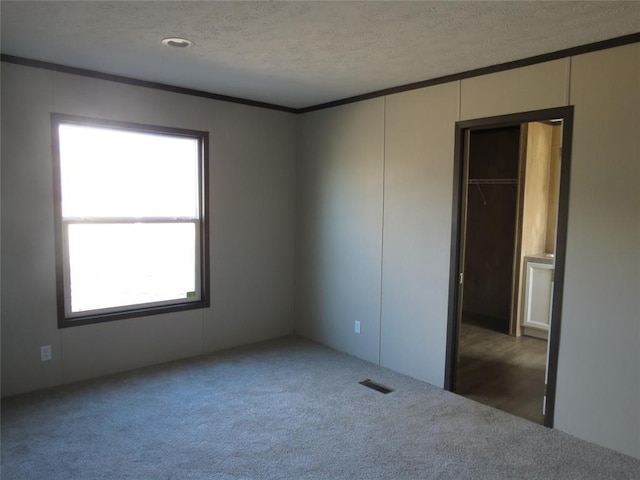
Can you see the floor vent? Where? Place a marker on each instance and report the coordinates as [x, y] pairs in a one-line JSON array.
[[376, 386]]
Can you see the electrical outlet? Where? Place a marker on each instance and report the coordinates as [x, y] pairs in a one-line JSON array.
[[45, 353], [356, 327]]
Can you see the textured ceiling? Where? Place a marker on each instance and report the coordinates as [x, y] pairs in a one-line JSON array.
[[299, 54]]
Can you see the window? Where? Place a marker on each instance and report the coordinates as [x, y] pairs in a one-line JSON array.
[[131, 219]]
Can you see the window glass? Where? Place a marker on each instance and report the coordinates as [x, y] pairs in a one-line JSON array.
[[130, 264], [130, 219], [114, 173]]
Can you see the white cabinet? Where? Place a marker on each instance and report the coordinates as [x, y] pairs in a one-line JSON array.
[[537, 298]]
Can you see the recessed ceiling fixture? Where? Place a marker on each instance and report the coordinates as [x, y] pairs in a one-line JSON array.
[[177, 42]]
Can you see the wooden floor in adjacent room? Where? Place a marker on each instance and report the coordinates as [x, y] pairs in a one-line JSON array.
[[502, 371]]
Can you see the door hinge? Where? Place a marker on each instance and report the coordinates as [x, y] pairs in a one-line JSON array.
[[461, 278]]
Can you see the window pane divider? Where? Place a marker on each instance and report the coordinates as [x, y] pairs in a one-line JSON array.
[[93, 220]]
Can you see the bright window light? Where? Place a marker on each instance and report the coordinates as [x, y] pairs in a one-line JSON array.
[[130, 219]]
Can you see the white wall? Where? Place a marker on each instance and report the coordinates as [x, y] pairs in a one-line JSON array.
[[339, 225], [252, 187], [598, 391], [419, 145], [535, 87]]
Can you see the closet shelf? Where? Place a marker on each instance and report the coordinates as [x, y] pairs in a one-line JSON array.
[[493, 181]]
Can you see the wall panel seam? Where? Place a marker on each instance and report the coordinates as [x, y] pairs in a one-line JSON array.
[[384, 181]]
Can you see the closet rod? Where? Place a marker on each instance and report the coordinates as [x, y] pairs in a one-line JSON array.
[[493, 181]]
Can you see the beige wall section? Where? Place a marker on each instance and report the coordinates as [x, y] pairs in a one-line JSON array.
[[253, 192], [78, 95], [28, 270], [92, 350], [252, 163], [340, 174], [419, 143], [598, 395], [519, 90]]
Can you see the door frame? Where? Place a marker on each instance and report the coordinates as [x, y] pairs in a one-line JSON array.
[[457, 243]]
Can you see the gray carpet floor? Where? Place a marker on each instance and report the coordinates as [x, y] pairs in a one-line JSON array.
[[284, 409]]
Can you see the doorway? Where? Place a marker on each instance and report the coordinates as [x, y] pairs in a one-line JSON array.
[[510, 208]]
